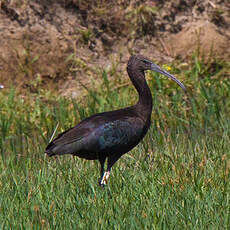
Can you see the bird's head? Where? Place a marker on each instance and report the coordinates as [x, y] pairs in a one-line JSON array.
[[139, 62]]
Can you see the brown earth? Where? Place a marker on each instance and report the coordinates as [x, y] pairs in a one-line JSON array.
[[62, 43]]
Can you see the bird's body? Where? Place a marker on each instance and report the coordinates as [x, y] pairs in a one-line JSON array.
[[111, 134], [101, 134]]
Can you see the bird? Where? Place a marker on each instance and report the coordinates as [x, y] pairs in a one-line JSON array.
[[109, 135]]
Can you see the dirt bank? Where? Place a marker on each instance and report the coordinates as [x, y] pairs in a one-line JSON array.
[[61, 43]]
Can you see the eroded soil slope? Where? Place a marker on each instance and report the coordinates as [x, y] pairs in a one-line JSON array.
[[63, 43]]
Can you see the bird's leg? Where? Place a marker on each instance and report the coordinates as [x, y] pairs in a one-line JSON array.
[[105, 178], [111, 161], [102, 162]]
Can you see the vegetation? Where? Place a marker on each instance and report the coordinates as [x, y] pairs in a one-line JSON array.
[[177, 178]]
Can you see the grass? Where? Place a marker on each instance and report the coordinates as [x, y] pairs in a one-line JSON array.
[[177, 178]]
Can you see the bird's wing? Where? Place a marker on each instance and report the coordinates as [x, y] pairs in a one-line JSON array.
[[72, 139], [101, 132], [119, 135]]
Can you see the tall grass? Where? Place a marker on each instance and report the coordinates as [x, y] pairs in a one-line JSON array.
[[177, 178]]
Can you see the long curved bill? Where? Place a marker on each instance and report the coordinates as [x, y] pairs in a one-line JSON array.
[[157, 68]]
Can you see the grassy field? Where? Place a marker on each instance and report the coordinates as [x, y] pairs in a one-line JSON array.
[[177, 178]]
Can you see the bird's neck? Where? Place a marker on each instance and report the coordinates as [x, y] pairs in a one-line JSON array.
[[144, 104]]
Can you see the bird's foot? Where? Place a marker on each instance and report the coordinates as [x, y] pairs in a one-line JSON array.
[[105, 178]]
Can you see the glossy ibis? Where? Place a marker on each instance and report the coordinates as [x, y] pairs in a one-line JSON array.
[[111, 134]]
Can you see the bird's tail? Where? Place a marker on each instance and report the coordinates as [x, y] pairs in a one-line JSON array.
[[49, 151]]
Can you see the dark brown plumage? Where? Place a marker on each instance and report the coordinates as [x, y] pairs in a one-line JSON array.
[[111, 134]]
